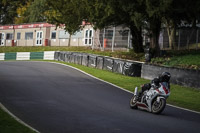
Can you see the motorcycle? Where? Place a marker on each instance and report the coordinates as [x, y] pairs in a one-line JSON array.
[[152, 100]]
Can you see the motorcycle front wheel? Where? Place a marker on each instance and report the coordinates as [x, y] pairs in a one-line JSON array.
[[158, 107], [133, 102]]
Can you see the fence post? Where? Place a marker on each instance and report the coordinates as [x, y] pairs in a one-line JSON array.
[[78, 42], [113, 39], [104, 31]]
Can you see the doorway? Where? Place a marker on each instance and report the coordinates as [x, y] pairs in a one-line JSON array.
[[39, 37]]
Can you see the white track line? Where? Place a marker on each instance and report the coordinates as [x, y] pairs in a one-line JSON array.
[[16, 118]]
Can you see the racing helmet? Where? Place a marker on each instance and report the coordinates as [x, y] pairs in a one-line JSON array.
[[165, 77]]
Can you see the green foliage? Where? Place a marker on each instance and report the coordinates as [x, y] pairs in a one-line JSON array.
[[32, 11], [36, 11], [137, 15], [71, 13], [8, 10]]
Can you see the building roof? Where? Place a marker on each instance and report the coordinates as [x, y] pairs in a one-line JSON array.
[[25, 26]]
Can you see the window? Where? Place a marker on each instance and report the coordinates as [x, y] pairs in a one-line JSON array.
[[9, 36], [18, 36], [90, 33], [88, 36], [53, 35], [78, 34], [63, 34], [29, 35]]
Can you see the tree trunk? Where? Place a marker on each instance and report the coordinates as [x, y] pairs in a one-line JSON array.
[[155, 26], [171, 30], [137, 39]]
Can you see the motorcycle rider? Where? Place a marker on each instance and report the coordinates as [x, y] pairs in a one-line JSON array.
[[164, 77]]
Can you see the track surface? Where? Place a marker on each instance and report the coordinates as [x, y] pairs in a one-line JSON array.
[[57, 99]]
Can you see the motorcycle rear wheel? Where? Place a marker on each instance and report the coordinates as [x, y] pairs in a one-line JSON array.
[[133, 102], [158, 107]]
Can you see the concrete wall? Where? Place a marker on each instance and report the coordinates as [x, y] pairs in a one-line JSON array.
[[184, 77]]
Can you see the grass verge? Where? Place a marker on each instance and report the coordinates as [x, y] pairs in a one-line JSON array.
[[117, 54], [185, 97], [10, 125]]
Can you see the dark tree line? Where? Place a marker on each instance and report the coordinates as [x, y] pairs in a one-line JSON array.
[[150, 15]]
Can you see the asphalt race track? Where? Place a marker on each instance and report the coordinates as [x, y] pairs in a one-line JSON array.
[[53, 98]]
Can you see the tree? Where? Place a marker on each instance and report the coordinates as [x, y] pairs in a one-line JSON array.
[[22, 14], [37, 10], [8, 10], [69, 13], [32, 11], [104, 13], [180, 11], [156, 10], [100, 13], [136, 15]]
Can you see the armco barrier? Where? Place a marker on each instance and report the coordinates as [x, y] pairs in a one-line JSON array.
[[118, 66], [61, 56], [100, 62], [85, 59], [47, 55], [129, 68], [10, 56], [132, 68], [108, 63], [92, 61], [23, 56], [36, 55], [184, 77], [78, 58], [2, 56]]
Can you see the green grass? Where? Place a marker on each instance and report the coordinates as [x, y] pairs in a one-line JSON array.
[[10, 125], [185, 97], [40, 49], [187, 61], [182, 60]]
